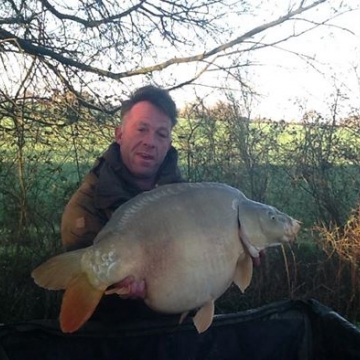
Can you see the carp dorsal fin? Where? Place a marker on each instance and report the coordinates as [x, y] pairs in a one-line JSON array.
[[243, 272], [204, 317], [79, 302]]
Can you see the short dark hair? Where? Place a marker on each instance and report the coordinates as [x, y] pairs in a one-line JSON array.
[[157, 96]]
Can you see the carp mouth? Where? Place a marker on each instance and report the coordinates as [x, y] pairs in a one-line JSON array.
[[295, 227]]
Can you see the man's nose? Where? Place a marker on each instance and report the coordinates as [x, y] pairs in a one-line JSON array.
[[149, 139]]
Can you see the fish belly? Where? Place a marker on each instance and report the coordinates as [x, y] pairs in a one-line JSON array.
[[192, 273]]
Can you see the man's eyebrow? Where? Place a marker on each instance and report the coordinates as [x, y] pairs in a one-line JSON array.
[[147, 124], [163, 128], [140, 123]]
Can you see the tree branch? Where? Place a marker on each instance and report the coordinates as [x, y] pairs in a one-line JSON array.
[[90, 23], [37, 50]]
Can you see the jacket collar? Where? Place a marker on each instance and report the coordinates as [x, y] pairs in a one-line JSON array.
[[116, 184]]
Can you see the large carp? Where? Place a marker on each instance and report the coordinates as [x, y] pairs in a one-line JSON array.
[[181, 244]]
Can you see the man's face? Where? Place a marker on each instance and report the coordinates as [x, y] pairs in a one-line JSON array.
[[144, 139]]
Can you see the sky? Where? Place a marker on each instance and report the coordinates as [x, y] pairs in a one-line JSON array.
[[288, 86]]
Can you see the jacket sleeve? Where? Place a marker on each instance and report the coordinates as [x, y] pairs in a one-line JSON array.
[[81, 221]]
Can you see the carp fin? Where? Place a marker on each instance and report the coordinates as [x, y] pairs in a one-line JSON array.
[[243, 272], [183, 316], [57, 272], [79, 302], [204, 317]]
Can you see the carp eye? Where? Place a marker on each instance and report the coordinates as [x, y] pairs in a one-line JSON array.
[[272, 215]]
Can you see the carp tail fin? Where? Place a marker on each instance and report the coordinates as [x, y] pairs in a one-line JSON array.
[[79, 302], [80, 298], [57, 272]]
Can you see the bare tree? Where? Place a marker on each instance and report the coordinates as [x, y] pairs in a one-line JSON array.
[[77, 46]]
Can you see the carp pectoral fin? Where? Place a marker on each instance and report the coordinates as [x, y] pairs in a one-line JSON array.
[[78, 304], [243, 272], [183, 316], [204, 317]]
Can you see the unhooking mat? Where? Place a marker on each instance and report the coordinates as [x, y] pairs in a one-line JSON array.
[[289, 330]]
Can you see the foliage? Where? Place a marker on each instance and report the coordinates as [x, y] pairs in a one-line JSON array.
[[342, 245], [98, 50], [315, 164], [65, 67], [304, 169]]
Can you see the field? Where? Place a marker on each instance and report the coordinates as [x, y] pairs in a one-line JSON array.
[[309, 170]]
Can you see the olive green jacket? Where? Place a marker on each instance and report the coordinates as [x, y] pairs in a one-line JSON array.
[[108, 185]]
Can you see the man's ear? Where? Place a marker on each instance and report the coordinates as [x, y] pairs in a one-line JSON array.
[[118, 134]]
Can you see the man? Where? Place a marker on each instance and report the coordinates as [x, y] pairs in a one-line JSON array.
[[140, 159]]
